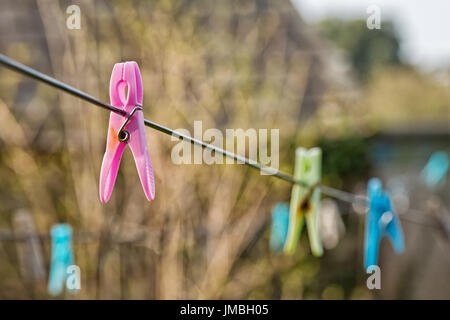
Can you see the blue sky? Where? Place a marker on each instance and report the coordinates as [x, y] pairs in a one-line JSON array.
[[424, 25]]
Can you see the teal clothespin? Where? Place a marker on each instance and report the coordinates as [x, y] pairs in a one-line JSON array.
[[280, 225], [305, 200], [381, 220], [436, 169], [62, 257]]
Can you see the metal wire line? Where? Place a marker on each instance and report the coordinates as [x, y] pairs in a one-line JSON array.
[[332, 192], [16, 66]]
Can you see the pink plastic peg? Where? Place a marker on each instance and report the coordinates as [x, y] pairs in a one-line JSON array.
[[125, 130]]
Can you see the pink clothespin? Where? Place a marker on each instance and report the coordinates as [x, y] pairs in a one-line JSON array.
[[125, 130]]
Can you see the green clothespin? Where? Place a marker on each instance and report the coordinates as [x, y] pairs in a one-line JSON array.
[[305, 200]]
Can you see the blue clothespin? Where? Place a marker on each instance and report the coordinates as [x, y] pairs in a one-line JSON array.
[[280, 225], [381, 220], [436, 169], [62, 257]]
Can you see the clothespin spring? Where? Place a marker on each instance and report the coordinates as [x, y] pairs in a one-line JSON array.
[[123, 135], [304, 201]]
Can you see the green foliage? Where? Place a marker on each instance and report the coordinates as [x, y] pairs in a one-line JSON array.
[[344, 158], [367, 49]]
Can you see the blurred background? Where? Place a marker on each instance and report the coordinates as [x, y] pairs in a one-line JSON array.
[[376, 102]]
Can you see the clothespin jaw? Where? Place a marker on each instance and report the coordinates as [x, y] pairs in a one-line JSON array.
[[305, 200], [381, 220], [279, 228], [61, 258], [125, 130]]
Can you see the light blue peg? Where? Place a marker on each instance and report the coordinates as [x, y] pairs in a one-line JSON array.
[[280, 225], [62, 257]]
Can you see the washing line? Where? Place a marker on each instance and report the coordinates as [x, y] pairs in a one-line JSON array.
[[326, 190], [332, 192]]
